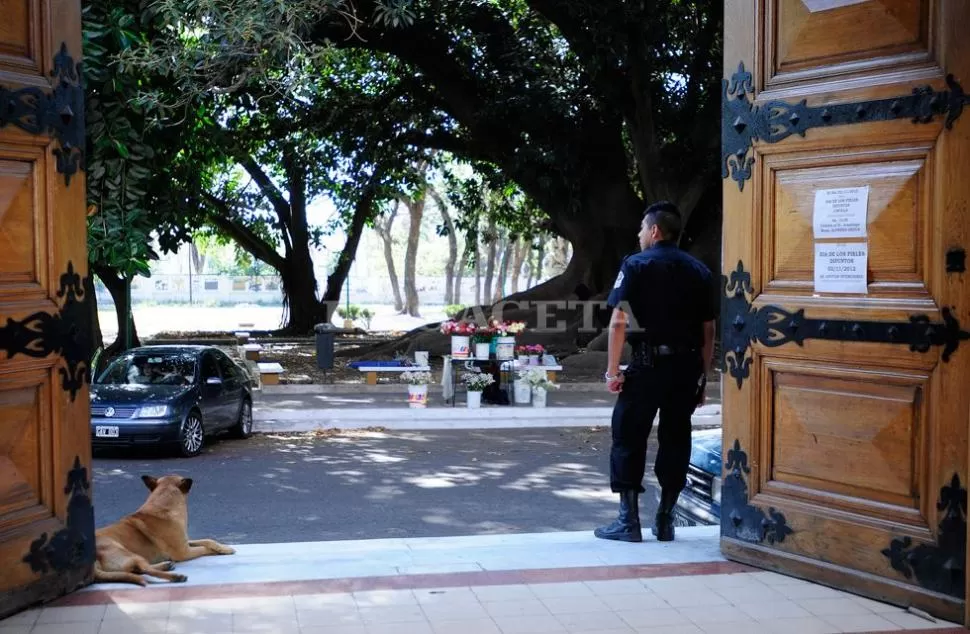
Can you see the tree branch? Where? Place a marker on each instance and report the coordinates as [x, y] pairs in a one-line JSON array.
[[241, 234]]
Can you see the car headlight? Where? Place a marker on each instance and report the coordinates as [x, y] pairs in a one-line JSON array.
[[153, 411], [716, 490]]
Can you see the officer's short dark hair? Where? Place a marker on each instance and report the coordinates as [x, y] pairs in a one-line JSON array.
[[665, 215]]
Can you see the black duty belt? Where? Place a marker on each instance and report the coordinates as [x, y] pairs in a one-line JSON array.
[[645, 354]]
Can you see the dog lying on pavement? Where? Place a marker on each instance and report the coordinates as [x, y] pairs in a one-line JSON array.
[[150, 540]]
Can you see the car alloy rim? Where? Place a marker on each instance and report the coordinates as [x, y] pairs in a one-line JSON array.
[[247, 418], [193, 434]]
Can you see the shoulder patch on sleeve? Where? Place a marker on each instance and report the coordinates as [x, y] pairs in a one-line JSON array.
[[619, 280]]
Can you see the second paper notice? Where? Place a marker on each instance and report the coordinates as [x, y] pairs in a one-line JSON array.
[[841, 268]]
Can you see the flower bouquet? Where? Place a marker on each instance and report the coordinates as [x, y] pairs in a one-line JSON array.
[[476, 382], [416, 377], [482, 340], [505, 337], [539, 381], [460, 332]]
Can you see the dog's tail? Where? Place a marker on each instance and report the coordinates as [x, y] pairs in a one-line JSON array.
[[117, 577]]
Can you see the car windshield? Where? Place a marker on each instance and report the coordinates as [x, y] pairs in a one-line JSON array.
[[139, 368]]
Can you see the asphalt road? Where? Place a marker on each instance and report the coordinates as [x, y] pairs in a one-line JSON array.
[[362, 485]]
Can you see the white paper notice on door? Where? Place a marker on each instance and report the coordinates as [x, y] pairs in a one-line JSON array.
[[841, 268], [841, 213]]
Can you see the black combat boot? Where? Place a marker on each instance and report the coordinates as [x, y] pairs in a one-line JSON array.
[[663, 529], [626, 527]]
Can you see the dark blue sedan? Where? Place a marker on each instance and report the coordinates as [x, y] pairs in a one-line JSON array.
[[700, 501], [170, 395]]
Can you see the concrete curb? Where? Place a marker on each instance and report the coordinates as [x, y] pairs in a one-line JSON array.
[[396, 388], [386, 388], [289, 420]]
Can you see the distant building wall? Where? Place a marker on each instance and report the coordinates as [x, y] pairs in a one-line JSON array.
[[225, 289]]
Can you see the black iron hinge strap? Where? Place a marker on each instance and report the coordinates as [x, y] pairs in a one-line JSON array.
[[743, 122], [743, 324], [59, 113]]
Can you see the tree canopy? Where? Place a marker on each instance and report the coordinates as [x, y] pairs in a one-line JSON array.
[[571, 115]]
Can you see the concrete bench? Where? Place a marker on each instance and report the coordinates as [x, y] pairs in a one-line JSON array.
[[251, 351], [372, 370], [269, 373]]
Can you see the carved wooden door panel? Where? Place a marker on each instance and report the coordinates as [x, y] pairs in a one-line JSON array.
[[846, 407], [46, 518]]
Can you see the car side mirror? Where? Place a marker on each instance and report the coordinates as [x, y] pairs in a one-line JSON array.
[[213, 380]]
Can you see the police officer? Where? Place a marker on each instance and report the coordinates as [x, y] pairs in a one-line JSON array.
[[665, 298]]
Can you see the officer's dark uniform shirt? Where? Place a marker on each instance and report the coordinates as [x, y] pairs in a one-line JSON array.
[[670, 295]]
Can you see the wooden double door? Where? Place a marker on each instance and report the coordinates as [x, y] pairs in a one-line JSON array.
[[846, 304], [46, 518]]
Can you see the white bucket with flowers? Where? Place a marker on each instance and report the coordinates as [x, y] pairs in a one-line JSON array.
[[505, 333], [538, 380], [475, 383], [417, 382], [461, 332]]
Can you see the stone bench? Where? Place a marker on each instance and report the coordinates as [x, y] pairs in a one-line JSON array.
[[269, 373], [372, 370]]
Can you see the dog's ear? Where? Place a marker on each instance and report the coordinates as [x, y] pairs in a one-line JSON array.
[[185, 485], [150, 482]]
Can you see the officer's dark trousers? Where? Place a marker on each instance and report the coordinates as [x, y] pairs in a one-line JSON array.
[[669, 386]]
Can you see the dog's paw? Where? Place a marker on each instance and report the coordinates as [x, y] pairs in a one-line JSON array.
[[179, 579], [166, 565], [227, 550]]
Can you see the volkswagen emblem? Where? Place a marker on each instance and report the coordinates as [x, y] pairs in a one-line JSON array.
[[108, 413]]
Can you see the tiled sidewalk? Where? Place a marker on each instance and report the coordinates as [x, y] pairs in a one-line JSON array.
[[510, 584]]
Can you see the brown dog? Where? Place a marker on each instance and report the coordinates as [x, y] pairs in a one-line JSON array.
[[148, 541]]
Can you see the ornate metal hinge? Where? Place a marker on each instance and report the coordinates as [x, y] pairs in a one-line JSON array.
[[741, 520], [743, 123], [940, 567], [59, 113], [67, 333], [72, 547], [743, 325]]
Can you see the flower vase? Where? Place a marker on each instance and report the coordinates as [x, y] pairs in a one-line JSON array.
[[533, 359], [522, 392], [417, 396], [482, 350], [538, 397], [474, 400], [505, 348], [460, 346]]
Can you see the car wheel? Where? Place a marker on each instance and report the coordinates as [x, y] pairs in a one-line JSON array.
[[244, 426], [191, 435]]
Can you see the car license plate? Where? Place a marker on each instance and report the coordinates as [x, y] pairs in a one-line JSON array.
[[106, 431]]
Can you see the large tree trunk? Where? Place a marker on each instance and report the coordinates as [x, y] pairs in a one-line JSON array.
[[384, 231], [452, 247], [460, 271], [335, 281], [540, 259], [115, 283], [97, 339], [303, 307], [411, 302], [491, 236], [518, 256], [198, 258], [478, 275], [503, 269], [530, 267]]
